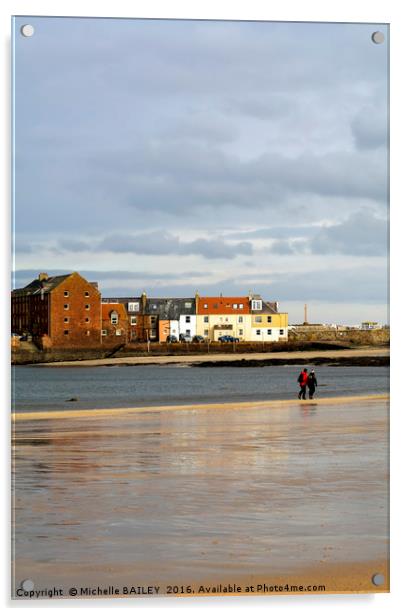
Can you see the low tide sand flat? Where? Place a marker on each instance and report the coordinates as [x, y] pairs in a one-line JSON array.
[[165, 497]]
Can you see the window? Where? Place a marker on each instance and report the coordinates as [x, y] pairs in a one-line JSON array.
[[133, 320], [235, 306], [216, 306], [66, 320], [187, 319], [188, 331], [87, 306], [88, 332], [114, 317], [257, 319], [86, 293], [66, 332], [66, 293], [240, 319], [206, 319], [268, 319], [205, 305], [226, 319], [206, 332], [269, 332], [240, 332], [188, 304], [133, 306], [87, 320], [241, 306], [154, 307], [104, 332], [66, 306], [281, 332], [118, 332], [257, 304], [258, 332]]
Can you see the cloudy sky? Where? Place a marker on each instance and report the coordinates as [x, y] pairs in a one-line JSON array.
[[175, 156]]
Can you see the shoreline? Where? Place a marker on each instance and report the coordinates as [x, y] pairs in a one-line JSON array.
[[363, 356], [214, 406]]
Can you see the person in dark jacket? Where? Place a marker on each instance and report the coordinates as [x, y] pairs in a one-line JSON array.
[[312, 384], [302, 380]]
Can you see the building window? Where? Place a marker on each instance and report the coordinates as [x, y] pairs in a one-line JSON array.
[[235, 306], [187, 319], [258, 332], [269, 332], [205, 305], [206, 319], [66, 332], [268, 319], [133, 306], [257, 319], [240, 319], [104, 332], [88, 332], [206, 332], [133, 320], [114, 318], [66, 320], [188, 331], [86, 293], [281, 332], [240, 332], [241, 306], [118, 332], [188, 304], [66, 306], [87, 320], [66, 293], [257, 304], [87, 306]]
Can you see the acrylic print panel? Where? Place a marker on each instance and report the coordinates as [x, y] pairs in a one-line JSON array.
[[200, 214]]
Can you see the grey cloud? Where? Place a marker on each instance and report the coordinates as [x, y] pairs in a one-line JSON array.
[[361, 234], [370, 128], [155, 243]]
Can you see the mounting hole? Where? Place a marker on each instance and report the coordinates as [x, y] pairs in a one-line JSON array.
[[378, 579], [27, 30], [378, 37], [27, 585]]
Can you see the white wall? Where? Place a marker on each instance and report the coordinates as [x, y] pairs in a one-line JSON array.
[[184, 326]]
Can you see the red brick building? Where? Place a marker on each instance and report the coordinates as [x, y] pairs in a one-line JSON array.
[[115, 324], [58, 312]]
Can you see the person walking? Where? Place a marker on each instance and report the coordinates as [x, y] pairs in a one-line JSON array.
[[312, 384], [302, 380]]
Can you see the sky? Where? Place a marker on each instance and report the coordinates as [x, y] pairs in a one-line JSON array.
[[220, 157]]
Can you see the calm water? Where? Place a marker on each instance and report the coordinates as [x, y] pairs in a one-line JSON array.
[[42, 388]]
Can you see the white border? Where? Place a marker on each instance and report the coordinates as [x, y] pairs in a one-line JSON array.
[[390, 11]]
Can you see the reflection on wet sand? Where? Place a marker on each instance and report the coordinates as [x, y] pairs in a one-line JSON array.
[[267, 492]]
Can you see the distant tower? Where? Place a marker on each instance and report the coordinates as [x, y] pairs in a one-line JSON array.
[[305, 314]]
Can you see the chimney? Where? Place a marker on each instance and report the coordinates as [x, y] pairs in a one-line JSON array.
[[143, 302], [43, 276]]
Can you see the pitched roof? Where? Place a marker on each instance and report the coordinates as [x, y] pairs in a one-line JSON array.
[[170, 308], [36, 286], [107, 309]]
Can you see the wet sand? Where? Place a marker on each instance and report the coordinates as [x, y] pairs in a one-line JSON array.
[[273, 493], [229, 357]]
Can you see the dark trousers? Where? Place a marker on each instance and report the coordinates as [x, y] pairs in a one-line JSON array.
[[303, 391], [311, 392]]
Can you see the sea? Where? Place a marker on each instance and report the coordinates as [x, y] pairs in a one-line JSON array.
[[39, 388]]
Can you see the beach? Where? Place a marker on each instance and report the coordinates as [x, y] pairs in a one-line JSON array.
[[277, 356], [216, 496]]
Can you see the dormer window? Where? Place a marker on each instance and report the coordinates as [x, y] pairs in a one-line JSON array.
[[257, 304], [114, 317]]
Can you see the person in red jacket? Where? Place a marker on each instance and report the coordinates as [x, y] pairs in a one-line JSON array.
[[302, 380]]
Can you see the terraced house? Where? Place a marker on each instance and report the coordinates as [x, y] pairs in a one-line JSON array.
[[267, 323], [223, 316]]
